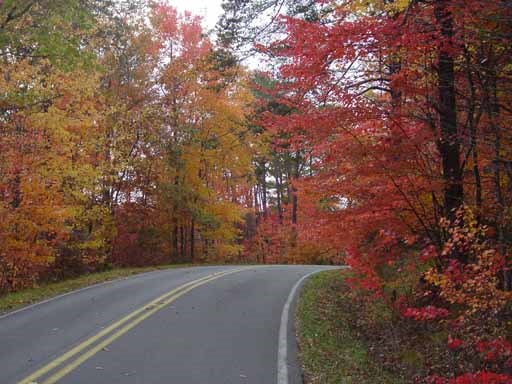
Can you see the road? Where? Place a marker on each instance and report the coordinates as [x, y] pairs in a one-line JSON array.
[[219, 325]]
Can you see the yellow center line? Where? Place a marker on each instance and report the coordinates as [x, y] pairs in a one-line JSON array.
[[148, 309]]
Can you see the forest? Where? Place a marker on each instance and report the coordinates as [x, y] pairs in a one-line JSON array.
[[371, 133]]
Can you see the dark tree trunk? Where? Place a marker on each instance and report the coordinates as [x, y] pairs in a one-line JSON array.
[[16, 188], [192, 240], [279, 195], [264, 190], [175, 239], [493, 111], [472, 125], [449, 145], [182, 243], [295, 201]]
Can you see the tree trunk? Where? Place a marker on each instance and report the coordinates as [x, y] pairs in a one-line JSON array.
[[279, 195], [264, 190], [493, 111], [295, 202], [182, 243], [175, 239], [192, 240], [449, 145]]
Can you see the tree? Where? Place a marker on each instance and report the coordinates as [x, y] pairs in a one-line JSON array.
[[200, 154], [50, 119]]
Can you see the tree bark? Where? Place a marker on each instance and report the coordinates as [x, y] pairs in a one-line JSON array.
[[264, 190], [279, 195], [192, 240], [295, 201], [449, 145]]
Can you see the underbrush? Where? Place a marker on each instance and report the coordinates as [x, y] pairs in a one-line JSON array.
[[347, 336]]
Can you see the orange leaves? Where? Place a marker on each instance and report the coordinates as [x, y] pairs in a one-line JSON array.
[[165, 18], [48, 170], [133, 123], [189, 172], [180, 36], [474, 285]]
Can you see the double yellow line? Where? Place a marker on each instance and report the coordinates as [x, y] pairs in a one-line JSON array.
[[114, 331]]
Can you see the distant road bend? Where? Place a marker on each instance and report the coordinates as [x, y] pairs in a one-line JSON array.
[[200, 325]]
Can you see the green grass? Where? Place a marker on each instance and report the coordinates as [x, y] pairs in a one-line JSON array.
[[15, 300], [330, 351]]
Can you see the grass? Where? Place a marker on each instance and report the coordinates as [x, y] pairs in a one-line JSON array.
[[331, 351], [15, 300]]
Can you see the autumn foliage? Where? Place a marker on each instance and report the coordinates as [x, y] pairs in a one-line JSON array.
[[123, 140], [379, 137], [401, 113]]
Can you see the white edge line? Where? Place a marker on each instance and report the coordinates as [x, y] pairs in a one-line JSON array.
[[282, 348], [30, 306]]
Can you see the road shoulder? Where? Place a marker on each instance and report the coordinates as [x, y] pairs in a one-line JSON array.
[[331, 351]]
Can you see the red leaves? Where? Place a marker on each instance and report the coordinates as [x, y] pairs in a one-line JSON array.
[[369, 280], [364, 89], [473, 378], [165, 18], [471, 284], [428, 313], [494, 349], [428, 253], [454, 343], [181, 34]]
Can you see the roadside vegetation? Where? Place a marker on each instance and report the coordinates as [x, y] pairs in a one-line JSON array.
[[332, 350], [348, 336]]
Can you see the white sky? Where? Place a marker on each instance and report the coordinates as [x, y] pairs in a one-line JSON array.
[[210, 10]]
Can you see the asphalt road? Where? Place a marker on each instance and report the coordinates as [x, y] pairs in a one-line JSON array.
[[200, 325]]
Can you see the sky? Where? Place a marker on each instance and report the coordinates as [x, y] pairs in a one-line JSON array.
[[210, 10]]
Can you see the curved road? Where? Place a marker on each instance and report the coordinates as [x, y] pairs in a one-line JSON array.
[[199, 325]]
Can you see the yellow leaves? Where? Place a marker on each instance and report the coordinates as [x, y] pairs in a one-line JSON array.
[[211, 159], [47, 161], [435, 278], [473, 286], [371, 6], [161, 137], [398, 6]]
